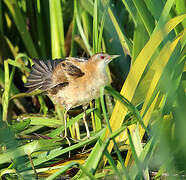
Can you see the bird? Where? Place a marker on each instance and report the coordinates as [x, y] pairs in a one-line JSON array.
[[72, 81]]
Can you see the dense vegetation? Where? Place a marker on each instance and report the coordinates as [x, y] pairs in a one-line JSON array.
[[138, 133]]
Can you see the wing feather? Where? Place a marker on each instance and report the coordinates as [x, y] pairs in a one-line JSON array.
[[41, 75]]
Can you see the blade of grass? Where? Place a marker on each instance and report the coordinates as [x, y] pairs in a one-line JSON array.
[[101, 33], [21, 26], [126, 44], [165, 54], [5, 98], [144, 157], [8, 140], [140, 33], [44, 121], [145, 15], [63, 169], [129, 106], [143, 86], [30, 130], [13, 49], [74, 31], [112, 163], [1, 18], [18, 127], [147, 117], [86, 21], [139, 148], [97, 113], [57, 29], [97, 158], [131, 9], [164, 15], [155, 7], [18, 65], [40, 30], [43, 107], [88, 6], [110, 130], [95, 27], [76, 6], [135, 156], [140, 38], [13, 89], [181, 9]]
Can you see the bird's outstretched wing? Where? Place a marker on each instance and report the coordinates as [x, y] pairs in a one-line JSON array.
[[41, 75], [53, 74]]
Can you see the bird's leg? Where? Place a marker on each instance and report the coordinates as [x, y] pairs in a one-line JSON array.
[[84, 120], [65, 121]]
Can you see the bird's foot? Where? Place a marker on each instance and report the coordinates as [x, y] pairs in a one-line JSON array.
[[69, 143]]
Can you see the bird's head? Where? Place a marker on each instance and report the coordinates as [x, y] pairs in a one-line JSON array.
[[100, 60], [103, 57]]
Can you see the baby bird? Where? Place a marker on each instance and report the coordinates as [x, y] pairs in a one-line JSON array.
[[70, 82]]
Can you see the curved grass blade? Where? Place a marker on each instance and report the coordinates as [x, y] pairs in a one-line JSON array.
[[110, 129], [20, 95], [129, 106]]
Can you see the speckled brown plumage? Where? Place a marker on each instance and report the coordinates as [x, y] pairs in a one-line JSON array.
[[70, 82]]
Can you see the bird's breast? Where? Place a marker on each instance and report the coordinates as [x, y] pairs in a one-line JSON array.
[[82, 90]]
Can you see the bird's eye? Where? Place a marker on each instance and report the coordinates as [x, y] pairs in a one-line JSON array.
[[102, 57]]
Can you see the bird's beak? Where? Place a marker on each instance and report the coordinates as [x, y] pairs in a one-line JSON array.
[[113, 56]]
